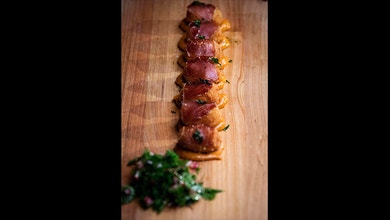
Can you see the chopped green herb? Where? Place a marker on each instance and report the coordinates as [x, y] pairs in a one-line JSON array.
[[197, 23], [205, 81], [215, 60], [230, 61], [201, 37], [200, 101], [198, 3], [209, 194], [225, 128], [161, 181], [197, 136], [228, 81]]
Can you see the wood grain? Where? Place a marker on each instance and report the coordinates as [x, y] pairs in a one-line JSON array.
[[150, 34]]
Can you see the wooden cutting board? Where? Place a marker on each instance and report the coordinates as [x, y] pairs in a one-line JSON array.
[[150, 34]]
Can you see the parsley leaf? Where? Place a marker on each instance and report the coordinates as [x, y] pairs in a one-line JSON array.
[[225, 128], [197, 23], [197, 136], [198, 3], [215, 60], [209, 194], [200, 102], [205, 81]]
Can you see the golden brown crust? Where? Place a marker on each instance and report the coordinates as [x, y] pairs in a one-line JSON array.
[[223, 23], [223, 100], [184, 25], [214, 119], [189, 155], [181, 61], [217, 16], [182, 43], [179, 80]]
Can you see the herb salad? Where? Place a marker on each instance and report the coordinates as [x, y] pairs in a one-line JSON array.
[[160, 181]]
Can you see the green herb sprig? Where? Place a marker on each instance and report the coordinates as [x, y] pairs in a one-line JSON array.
[[215, 60], [200, 101], [205, 81], [197, 136], [160, 181], [197, 23], [226, 127], [198, 3]]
